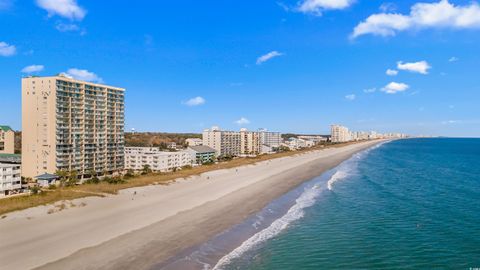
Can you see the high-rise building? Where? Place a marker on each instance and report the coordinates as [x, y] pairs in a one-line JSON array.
[[71, 125], [250, 143], [225, 143], [269, 138], [7, 140], [340, 134]]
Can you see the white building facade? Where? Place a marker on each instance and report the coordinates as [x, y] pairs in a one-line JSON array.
[[269, 138], [194, 141], [136, 158], [10, 179], [340, 134]]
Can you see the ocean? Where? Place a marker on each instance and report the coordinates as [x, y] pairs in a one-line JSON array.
[[403, 204]]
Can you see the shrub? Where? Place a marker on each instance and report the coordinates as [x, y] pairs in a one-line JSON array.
[[35, 190]]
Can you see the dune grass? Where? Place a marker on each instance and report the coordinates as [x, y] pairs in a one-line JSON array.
[[101, 189]]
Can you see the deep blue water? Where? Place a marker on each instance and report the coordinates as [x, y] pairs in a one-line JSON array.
[[407, 204]]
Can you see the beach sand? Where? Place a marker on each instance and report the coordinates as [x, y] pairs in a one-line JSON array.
[[144, 226]]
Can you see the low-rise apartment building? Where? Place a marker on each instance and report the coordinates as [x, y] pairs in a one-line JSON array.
[[194, 141], [10, 179], [7, 140], [136, 158], [201, 154]]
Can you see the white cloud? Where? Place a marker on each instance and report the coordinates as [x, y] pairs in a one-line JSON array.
[[421, 67], [394, 87], [83, 75], [242, 121], [317, 6], [65, 8], [453, 59], [33, 68], [370, 90], [196, 101], [67, 27], [268, 56], [442, 14], [391, 72], [7, 50], [350, 97]]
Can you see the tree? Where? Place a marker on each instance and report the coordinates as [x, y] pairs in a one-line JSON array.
[[146, 169]]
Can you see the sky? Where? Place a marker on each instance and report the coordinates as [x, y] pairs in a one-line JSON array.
[[286, 65]]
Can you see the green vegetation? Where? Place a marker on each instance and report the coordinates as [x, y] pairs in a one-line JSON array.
[[160, 140]]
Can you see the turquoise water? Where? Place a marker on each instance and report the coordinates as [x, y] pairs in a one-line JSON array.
[[407, 204]]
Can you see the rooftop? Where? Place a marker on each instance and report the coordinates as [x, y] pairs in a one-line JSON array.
[[68, 78], [202, 149], [5, 128]]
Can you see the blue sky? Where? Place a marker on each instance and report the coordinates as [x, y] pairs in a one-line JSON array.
[[290, 66]]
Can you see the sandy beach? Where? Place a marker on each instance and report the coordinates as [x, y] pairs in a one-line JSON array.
[[144, 226]]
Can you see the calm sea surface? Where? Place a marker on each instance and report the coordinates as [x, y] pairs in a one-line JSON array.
[[407, 204]]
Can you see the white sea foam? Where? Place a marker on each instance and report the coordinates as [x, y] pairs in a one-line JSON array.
[[335, 177], [296, 212]]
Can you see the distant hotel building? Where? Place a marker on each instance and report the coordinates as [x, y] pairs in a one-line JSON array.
[[340, 134], [225, 143], [71, 125], [7, 140], [242, 143], [250, 144], [194, 141], [270, 139], [136, 158]]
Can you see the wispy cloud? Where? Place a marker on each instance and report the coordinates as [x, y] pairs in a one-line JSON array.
[[421, 67], [242, 121], [370, 90], [316, 7], [388, 7], [439, 15], [266, 57], [33, 68], [7, 49], [68, 9], [196, 101], [350, 97], [391, 72], [394, 87], [67, 27], [83, 74], [453, 59]]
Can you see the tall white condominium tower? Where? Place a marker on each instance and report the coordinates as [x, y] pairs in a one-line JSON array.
[[71, 125], [269, 138], [340, 134]]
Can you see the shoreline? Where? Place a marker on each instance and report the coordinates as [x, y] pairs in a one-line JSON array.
[[139, 231]]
